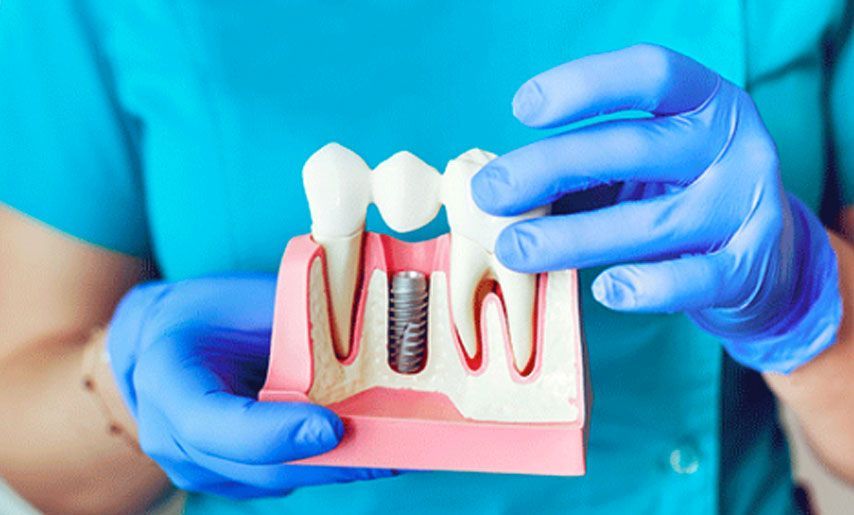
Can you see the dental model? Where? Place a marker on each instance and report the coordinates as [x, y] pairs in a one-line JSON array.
[[494, 375]]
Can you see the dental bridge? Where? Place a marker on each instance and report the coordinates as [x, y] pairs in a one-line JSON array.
[[434, 354]]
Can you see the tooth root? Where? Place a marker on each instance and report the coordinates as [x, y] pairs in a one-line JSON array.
[[342, 271], [338, 188], [519, 292], [468, 265]]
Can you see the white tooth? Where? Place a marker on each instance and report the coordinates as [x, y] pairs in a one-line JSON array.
[[468, 221], [469, 265], [337, 184], [464, 217], [406, 192], [520, 293]]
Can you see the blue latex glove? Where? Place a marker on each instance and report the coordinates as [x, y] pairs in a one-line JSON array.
[[702, 224], [189, 358]]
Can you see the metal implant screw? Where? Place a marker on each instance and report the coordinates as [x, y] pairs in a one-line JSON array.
[[407, 322]]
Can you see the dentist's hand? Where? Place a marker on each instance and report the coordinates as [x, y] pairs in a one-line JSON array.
[[702, 225], [189, 359]]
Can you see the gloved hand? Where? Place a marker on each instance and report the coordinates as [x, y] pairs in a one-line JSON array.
[[702, 225], [189, 358]]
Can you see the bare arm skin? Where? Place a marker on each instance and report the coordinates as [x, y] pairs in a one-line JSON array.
[[821, 393], [55, 449]]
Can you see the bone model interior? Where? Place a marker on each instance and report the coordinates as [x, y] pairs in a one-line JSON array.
[[408, 193], [553, 393]]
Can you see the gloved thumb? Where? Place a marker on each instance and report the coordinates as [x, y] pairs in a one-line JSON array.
[[206, 415]]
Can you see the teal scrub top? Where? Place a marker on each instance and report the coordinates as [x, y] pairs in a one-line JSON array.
[[177, 130]]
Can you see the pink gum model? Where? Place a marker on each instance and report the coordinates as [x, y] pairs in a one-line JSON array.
[[406, 429]]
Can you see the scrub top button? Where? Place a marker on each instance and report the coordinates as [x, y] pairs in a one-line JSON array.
[[685, 459]]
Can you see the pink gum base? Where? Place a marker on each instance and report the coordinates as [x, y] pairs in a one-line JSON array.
[[405, 429]]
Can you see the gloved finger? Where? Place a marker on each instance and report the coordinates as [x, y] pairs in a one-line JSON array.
[[191, 469], [643, 77], [184, 468], [156, 440], [281, 476], [666, 150], [684, 284], [206, 415], [657, 228], [128, 318], [192, 482], [243, 303]]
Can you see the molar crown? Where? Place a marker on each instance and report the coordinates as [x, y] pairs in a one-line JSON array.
[[337, 184], [406, 192]]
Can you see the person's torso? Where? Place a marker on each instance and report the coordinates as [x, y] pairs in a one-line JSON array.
[[232, 97]]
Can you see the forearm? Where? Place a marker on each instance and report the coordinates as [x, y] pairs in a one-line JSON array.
[[820, 392], [54, 445], [56, 450]]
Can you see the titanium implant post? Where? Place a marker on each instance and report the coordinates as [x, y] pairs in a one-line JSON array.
[[407, 322]]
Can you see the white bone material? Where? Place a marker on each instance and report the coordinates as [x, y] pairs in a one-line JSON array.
[[473, 235], [492, 394], [337, 185], [406, 192]]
